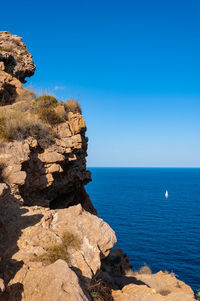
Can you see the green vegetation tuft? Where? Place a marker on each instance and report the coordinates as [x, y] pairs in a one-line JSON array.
[[44, 106], [57, 251], [46, 101]]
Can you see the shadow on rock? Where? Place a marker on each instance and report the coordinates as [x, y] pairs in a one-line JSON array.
[[95, 287], [12, 221]]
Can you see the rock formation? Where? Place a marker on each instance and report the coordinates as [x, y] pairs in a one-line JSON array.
[[15, 56], [15, 65], [54, 176], [52, 244]]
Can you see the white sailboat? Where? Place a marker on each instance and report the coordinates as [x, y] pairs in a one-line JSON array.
[[166, 194]]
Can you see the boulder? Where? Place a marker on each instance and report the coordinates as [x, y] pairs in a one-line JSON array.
[[95, 238], [54, 282], [15, 56]]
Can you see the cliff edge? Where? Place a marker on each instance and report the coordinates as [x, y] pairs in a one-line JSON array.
[[52, 244]]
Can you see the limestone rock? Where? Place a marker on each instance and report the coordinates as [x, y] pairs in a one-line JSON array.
[[51, 157], [96, 238], [55, 282], [77, 122], [63, 130], [15, 56], [10, 88], [128, 285], [165, 282], [55, 174]]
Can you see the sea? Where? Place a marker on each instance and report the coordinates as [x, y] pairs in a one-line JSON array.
[[163, 233]]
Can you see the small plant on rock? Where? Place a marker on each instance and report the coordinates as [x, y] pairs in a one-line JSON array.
[[72, 106], [44, 106], [46, 101], [164, 292], [99, 290], [61, 250]]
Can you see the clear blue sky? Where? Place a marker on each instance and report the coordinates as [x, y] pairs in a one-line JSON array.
[[133, 65]]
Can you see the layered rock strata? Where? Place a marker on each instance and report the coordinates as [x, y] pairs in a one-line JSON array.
[[53, 176]]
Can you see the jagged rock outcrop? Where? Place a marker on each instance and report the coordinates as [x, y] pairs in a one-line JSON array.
[[128, 285], [10, 88], [26, 234], [15, 56], [15, 65], [54, 282], [52, 176]]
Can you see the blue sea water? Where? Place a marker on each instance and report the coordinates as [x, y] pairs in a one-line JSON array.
[[162, 233]]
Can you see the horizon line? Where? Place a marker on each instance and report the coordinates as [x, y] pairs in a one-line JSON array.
[[197, 167]]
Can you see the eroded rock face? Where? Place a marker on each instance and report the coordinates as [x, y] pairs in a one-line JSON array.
[[10, 88], [27, 232], [15, 65], [54, 282], [15, 56], [128, 285], [53, 176]]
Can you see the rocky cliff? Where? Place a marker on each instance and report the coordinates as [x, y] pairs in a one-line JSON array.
[[52, 175], [52, 244]]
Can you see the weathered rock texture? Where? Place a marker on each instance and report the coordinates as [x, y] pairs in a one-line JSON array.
[[15, 65], [15, 56], [133, 286], [53, 176], [27, 232]]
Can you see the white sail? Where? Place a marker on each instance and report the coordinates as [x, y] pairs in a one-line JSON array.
[[166, 194]]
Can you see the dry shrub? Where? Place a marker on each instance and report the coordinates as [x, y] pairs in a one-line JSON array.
[[71, 240], [60, 250], [46, 101], [164, 292], [44, 106], [4, 134], [17, 125], [52, 254], [99, 290], [145, 270], [49, 116], [73, 106], [26, 95], [31, 116]]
